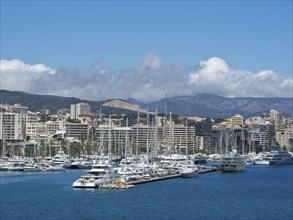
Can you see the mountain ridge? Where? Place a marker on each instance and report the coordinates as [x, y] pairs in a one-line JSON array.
[[202, 105]]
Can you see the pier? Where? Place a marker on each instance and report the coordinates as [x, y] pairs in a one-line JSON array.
[[153, 179], [131, 184]]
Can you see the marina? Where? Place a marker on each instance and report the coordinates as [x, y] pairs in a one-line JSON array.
[[175, 198]]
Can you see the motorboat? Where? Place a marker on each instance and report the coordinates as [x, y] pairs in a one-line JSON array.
[[99, 175], [232, 162], [189, 171], [80, 164], [31, 168], [280, 157], [276, 157], [261, 161], [200, 158]]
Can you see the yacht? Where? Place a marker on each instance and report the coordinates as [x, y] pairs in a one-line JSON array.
[[281, 157], [262, 161], [31, 168], [200, 158], [275, 157], [80, 164], [189, 171], [232, 162], [60, 159], [99, 175], [214, 158]]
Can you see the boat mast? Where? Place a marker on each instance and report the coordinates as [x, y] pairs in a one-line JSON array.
[[137, 123], [126, 140], [170, 136], [186, 136], [167, 144], [242, 139], [109, 141], [147, 134], [156, 134]]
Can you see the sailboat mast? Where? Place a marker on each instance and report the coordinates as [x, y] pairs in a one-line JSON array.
[[186, 137], [148, 133], [126, 139], [170, 136], [137, 123], [110, 141], [156, 134]]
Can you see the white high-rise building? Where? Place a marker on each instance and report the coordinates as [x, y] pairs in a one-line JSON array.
[[13, 126], [277, 119], [78, 109]]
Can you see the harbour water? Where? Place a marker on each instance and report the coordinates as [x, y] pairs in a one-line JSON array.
[[258, 192]]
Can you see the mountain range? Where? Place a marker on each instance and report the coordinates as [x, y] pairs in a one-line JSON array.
[[202, 105]]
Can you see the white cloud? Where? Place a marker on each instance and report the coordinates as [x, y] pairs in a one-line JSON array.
[[151, 60], [148, 82], [17, 75], [18, 65], [215, 76]]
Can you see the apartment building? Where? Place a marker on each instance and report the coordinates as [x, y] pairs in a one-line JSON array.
[[237, 120], [78, 109], [13, 126], [77, 131]]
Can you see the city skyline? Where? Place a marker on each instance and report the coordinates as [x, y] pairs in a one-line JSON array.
[[99, 50]]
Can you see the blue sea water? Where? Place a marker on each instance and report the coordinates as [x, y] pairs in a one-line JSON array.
[[258, 192]]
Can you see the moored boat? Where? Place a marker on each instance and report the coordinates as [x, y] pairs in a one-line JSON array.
[[189, 171], [232, 162], [99, 175], [275, 157]]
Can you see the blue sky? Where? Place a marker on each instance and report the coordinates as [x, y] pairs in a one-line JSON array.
[[248, 36]]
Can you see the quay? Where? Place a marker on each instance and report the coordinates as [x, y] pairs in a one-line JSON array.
[[208, 170], [154, 179], [131, 184]]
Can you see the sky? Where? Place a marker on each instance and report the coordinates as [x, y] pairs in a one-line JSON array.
[[99, 50]]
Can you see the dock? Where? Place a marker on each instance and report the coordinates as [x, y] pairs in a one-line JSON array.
[[131, 184], [153, 179]]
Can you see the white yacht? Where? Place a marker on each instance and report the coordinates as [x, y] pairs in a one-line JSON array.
[[275, 157], [281, 157], [60, 159], [31, 168], [100, 174], [189, 171], [232, 162], [199, 158], [261, 161]]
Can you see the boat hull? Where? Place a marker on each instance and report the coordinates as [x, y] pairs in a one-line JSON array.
[[261, 162], [232, 168], [282, 162], [80, 183], [189, 175], [30, 169]]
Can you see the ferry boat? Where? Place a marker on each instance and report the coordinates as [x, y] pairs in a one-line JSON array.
[[232, 162]]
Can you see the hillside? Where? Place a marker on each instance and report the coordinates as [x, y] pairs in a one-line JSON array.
[[53, 103], [203, 105], [207, 105]]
